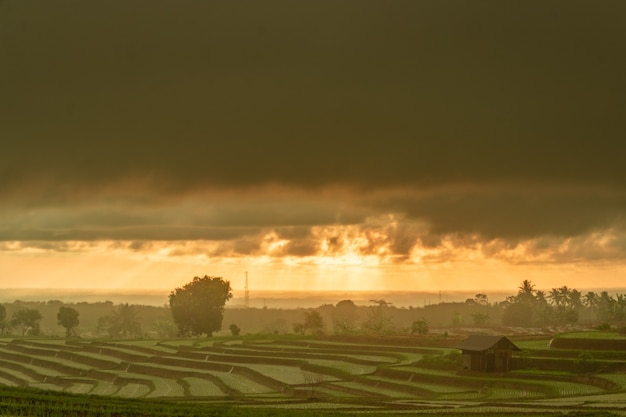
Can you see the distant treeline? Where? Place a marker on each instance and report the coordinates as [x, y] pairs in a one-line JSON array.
[[527, 308]]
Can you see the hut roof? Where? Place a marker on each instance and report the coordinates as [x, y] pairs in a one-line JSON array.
[[480, 343]]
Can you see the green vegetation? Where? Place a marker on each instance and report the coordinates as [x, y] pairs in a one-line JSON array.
[[592, 335], [198, 307], [262, 375], [27, 321], [68, 318]]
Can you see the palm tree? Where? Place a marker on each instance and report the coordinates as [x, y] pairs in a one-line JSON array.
[[540, 297], [526, 292], [556, 297], [125, 322], [620, 307], [566, 295], [544, 310], [590, 300], [606, 306], [575, 299]]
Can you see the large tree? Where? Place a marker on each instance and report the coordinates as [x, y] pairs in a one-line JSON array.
[[198, 307], [27, 320], [68, 318]]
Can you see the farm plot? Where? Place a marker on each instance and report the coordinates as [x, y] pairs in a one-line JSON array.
[[105, 388], [347, 351], [46, 386], [272, 371], [81, 387], [619, 379], [229, 382], [288, 374], [133, 390], [99, 360], [498, 393], [568, 389], [347, 367], [50, 364], [243, 385], [20, 377], [7, 382], [199, 387], [369, 390], [148, 345]]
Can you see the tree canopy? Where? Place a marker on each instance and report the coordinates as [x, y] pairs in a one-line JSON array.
[[27, 320], [68, 318], [125, 322], [198, 307]]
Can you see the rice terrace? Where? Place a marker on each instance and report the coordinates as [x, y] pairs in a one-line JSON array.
[[302, 374]]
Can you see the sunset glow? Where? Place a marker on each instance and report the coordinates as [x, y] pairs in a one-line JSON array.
[[408, 147]]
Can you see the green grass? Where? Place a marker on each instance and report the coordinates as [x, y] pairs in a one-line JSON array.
[[542, 344], [592, 335], [619, 379], [567, 389]]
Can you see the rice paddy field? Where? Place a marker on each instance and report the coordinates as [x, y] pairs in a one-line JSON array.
[[287, 376]]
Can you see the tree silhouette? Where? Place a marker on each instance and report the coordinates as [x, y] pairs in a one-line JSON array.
[[420, 327], [378, 321], [526, 292], [198, 307], [481, 299], [3, 319], [556, 297], [344, 317], [124, 322], [165, 328], [606, 307], [313, 322], [234, 329], [590, 300], [27, 320], [68, 318]]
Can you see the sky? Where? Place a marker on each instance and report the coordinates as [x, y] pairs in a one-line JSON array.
[[415, 145]]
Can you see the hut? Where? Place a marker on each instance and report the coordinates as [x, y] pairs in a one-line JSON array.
[[486, 353]]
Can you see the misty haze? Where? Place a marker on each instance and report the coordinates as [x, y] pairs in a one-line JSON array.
[[219, 208]]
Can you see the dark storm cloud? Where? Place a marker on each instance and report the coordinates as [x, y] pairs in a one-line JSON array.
[[156, 99], [513, 211], [190, 219], [161, 232]]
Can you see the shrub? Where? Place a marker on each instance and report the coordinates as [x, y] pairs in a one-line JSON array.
[[585, 363]]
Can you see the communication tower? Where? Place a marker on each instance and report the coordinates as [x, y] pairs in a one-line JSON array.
[[246, 294]]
